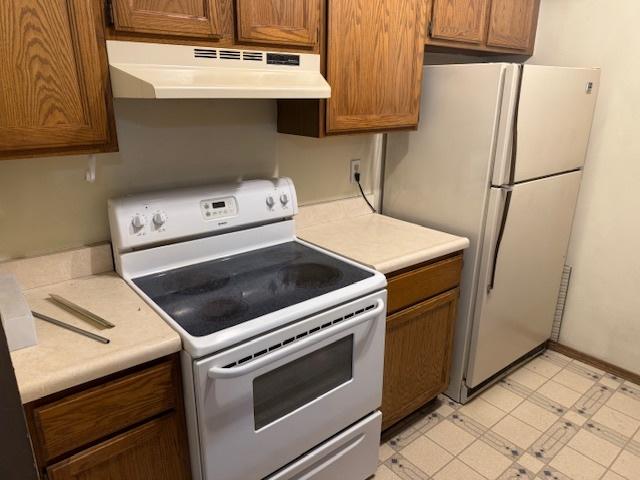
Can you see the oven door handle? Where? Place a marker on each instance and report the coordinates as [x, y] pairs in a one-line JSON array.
[[221, 372]]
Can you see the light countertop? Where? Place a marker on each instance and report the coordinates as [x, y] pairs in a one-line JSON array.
[[63, 359], [384, 243]]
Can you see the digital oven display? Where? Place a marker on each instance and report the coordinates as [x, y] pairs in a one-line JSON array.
[[218, 204]]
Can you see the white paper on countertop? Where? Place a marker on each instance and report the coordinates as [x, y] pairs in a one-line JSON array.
[[17, 320]]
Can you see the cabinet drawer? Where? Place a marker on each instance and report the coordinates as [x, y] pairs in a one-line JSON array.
[[413, 286], [150, 451], [84, 417]]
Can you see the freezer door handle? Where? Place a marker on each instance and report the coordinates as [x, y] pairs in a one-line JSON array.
[[508, 191]]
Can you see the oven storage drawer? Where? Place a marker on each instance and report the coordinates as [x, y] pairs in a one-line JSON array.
[[351, 454], [407, 288]]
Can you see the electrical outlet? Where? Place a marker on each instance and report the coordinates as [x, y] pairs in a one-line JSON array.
[[354, 167]]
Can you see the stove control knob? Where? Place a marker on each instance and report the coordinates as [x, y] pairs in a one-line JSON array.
[[138, 222], [159, 218], [284, 199], [270, 201]]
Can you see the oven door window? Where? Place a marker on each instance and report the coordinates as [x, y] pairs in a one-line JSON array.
[[295, 384]]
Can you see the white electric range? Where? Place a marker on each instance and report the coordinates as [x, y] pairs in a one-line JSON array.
[[283, 341]]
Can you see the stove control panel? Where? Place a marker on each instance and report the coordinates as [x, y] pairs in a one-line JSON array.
[[158, 218], [216, 208]]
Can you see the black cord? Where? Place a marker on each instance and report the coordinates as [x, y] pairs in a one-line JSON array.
[[357, 178]]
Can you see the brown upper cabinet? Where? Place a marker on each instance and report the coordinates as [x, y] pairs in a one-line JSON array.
[[56, 96], [373, 58], [279, 22], [459, 20], [512, 24], [493, 26], [185, 18]]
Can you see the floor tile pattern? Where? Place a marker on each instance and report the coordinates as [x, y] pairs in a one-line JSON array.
[[553, 419]]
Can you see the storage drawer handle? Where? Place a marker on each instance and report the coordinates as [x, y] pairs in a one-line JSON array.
[[334, 458], [303, 471], [221, 372]]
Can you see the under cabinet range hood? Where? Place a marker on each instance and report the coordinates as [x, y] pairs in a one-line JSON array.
[[150, 70]]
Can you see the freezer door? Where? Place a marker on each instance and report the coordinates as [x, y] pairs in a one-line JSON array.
[[515, 315], [553, 122]]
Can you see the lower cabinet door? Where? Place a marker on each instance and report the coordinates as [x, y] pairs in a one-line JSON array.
[[417, 355], [155, 450]]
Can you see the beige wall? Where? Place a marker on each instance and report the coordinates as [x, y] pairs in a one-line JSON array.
[[47, 206], [603, 311]]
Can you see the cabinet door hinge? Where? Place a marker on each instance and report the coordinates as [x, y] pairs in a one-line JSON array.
[[430, 28]]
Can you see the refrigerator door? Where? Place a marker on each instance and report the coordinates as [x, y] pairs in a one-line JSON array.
[[552, 123], [439, 175], [516, 315]]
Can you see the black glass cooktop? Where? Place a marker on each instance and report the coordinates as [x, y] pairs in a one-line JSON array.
[[218, 294]]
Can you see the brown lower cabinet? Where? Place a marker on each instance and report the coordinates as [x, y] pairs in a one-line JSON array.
[[148, 451], [419, 336], [129, 425]]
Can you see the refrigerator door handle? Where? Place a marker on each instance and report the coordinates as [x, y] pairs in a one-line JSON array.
[[508, 191], [514, 129]]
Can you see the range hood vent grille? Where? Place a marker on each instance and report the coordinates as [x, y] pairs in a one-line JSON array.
[[230, 54], [252, 56], [205, 53]]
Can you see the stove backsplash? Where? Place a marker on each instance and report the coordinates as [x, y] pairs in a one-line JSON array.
[[46, 205]]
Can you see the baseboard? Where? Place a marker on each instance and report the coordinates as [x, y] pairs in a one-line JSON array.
[[593, 361]]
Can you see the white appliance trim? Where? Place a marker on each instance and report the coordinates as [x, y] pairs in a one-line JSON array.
[[151, 70]]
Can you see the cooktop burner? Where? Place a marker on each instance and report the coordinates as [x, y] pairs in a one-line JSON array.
[[308, 275], [193, 283], [208, 297]]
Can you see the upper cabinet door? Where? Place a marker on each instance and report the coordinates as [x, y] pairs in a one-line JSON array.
[[55, 76], [282, 22], [513, 24], [374, 67], [191, 18], [460, 20]]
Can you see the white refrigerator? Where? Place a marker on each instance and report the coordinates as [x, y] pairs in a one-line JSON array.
[[498, 158]]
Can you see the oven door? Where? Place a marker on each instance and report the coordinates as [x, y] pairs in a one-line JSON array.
[[264, 403]]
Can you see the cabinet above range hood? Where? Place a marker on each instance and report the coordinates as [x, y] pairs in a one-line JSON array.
[[150, 70]]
